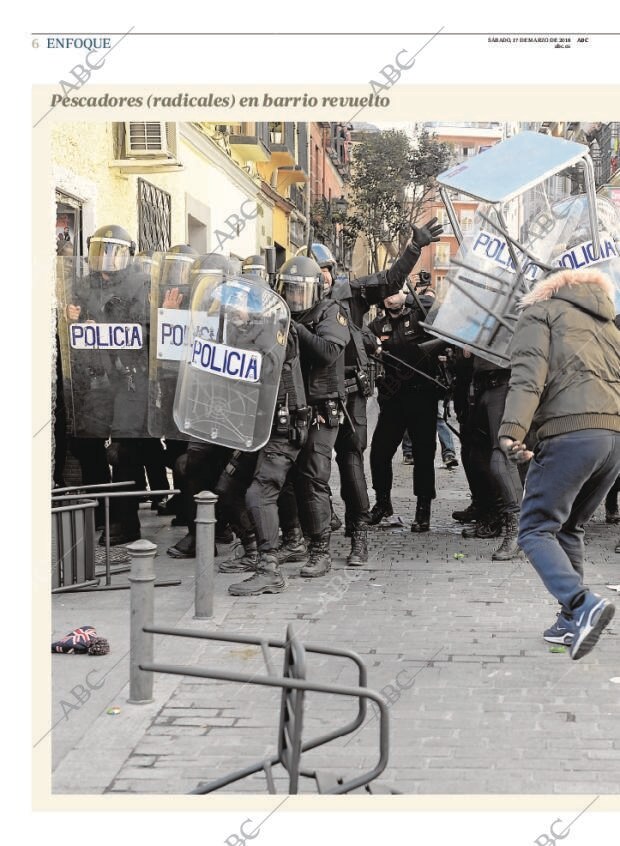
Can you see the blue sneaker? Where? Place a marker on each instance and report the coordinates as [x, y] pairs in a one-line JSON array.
[[589, 620], [561, 631]]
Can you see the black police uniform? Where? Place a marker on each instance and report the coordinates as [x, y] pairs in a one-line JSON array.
[[323, 335], [407, 400], [116, 405], [356, 298], [251, 484], [199, 468], [497, 486]]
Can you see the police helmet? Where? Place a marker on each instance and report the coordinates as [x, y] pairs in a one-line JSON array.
[[255, 266], [300, 283], [211, 264], [176, 266], [109, 249], [323, 256], [144, 261]]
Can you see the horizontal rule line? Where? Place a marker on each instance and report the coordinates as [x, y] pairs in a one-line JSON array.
[[499, 32]]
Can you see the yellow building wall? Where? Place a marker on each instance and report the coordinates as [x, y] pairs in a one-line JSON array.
[[280, 228], [80, 156]]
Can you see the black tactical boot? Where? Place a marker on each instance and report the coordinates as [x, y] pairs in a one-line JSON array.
[[122, 533], [223, 533], [467, 515], [244, 561], [266, 579], [382, 508], [185, 548], [508, 549], [490, 526], [292, 548], [422, 521], [168, 506], [319, 561], [359, 545]]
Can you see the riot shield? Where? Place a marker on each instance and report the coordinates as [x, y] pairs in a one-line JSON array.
[[228, 380], [103, 331], [527, 225], [170, 310]]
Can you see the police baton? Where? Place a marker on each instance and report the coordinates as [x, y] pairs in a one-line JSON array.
[[416, 298], [439, 384], [380, 359]]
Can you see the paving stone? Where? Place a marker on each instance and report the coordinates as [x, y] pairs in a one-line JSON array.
[[489, 709]]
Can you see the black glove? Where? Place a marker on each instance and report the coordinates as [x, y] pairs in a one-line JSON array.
[[429, 231]]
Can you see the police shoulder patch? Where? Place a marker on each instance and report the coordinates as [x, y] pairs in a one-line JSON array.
[[281, 337], [341, 319]]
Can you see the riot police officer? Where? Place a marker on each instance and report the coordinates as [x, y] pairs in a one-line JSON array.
[[255, 266], [251, 483], [355, 299], [499, 489], [171, 285], [116, 404], [201, 465], [407, 400], [323, 330]]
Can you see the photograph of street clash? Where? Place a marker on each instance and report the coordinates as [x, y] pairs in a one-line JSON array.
[[335, 458]]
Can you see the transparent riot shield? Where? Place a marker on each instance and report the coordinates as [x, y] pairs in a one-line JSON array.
[[170, 310], [228, 380], [531, 220], [103, 331]]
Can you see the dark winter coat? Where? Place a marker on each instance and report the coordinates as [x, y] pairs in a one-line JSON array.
[[565, 358]]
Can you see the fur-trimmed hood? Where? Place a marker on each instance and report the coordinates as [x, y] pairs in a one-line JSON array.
[[590, 290]]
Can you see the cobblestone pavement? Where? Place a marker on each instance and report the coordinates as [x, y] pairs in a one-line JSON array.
[[478, 702]]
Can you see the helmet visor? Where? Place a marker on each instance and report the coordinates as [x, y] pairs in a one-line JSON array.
[[176, 270], [107, 255], [256, 270], [300, 293]]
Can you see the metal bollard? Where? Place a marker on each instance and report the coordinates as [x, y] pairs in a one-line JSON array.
[[205, 546], [142, 585]]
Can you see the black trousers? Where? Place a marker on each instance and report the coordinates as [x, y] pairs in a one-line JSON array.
[[275, 462], [231, 489], [414, 409], [91, 454], [154, 458], [304, 501], [126, 458], [493, 474], [199, 468], [94, 467], [350, 445]]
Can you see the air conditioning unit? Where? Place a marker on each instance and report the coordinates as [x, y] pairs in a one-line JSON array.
[[150, 139]]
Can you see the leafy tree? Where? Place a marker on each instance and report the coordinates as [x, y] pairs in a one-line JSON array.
[[429, 157], [391, 181], [331, 226]]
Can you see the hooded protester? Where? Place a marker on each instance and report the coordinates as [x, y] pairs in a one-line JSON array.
[[565, 387]]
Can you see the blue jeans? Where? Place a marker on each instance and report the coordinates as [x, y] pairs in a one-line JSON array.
[[566, 482]]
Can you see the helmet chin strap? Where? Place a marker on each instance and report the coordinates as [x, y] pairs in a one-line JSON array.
[[396, 312]]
